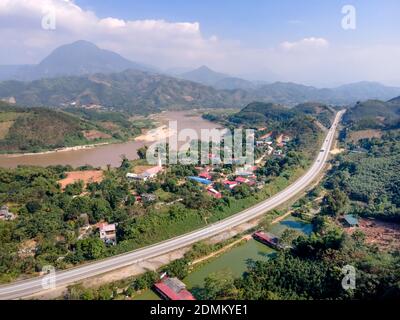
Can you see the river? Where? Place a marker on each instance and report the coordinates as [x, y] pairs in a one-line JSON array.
[[111, 154], [235, 261]]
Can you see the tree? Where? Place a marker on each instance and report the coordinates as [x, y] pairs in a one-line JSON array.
[[100, 210], [178, 268], [33, 206], [142, 152], [90, 248], [288, 236], [242, 191], [219, 285], [336, 203]]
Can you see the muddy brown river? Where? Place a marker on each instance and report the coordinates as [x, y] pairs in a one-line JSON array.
[[112, 154]]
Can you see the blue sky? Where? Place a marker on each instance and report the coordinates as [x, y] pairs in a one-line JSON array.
[[257, 21], [285, 40]]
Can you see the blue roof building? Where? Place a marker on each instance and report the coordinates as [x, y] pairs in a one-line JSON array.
[[201, 180]]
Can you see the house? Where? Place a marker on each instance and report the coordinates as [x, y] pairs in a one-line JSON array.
[[148, 197], [214, 193], [146, 175], [205, 175], [268, 238], [108, 233], [350, 220], [136, 177], [201, 180], [5, 214], [241, 180], [172, 289], [230, 184]]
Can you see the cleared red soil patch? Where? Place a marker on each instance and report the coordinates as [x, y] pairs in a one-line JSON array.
[[355, 136], [94, 134], [89, 176], [383, 234]]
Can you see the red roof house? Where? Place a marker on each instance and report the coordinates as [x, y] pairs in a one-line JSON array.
[[173, 289], [230, 184], [214, 193], [205, 175]]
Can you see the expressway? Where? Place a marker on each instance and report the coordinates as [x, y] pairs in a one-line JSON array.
[[32, 286]]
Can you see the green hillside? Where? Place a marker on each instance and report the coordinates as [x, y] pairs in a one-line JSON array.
[[262, 113], [321, 112], [40, 129], [373, 114]]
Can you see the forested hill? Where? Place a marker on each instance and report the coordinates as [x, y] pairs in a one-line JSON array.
[[302, 127], [374, 114], [41, 129], [270, 115]]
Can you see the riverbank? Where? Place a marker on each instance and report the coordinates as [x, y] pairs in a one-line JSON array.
[[109, 152], [65, 149]]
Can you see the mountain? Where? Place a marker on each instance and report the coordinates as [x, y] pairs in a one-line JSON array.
[[78, 58], [203, 75], [130, 90], [292, 93], [365, 90]]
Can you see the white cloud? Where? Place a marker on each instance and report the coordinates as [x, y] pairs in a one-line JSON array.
[[305, 44]]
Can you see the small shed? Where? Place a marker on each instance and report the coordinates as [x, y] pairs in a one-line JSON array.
[[351, 220]]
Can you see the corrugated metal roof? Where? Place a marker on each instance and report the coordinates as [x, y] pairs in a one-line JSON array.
[[351, 219]]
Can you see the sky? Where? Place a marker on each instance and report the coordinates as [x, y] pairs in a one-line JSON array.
[[286, 40]]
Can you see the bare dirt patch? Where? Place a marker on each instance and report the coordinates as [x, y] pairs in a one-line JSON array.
[[89, 176], [356, 136], [95, 134], [141, 169], [336, 151], [109, 125], [385, 235]]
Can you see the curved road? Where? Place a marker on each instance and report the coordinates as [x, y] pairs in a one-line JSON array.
[[29, 287]]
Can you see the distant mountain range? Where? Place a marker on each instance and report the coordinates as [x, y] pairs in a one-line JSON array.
[[221, 81], [78, 58], [130, 90], [81, 73]]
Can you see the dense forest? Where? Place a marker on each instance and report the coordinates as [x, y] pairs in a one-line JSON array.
[[374, 114], [369, 176]]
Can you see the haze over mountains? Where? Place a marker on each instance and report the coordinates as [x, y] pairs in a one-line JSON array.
[[82, 74], [78, 58]]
